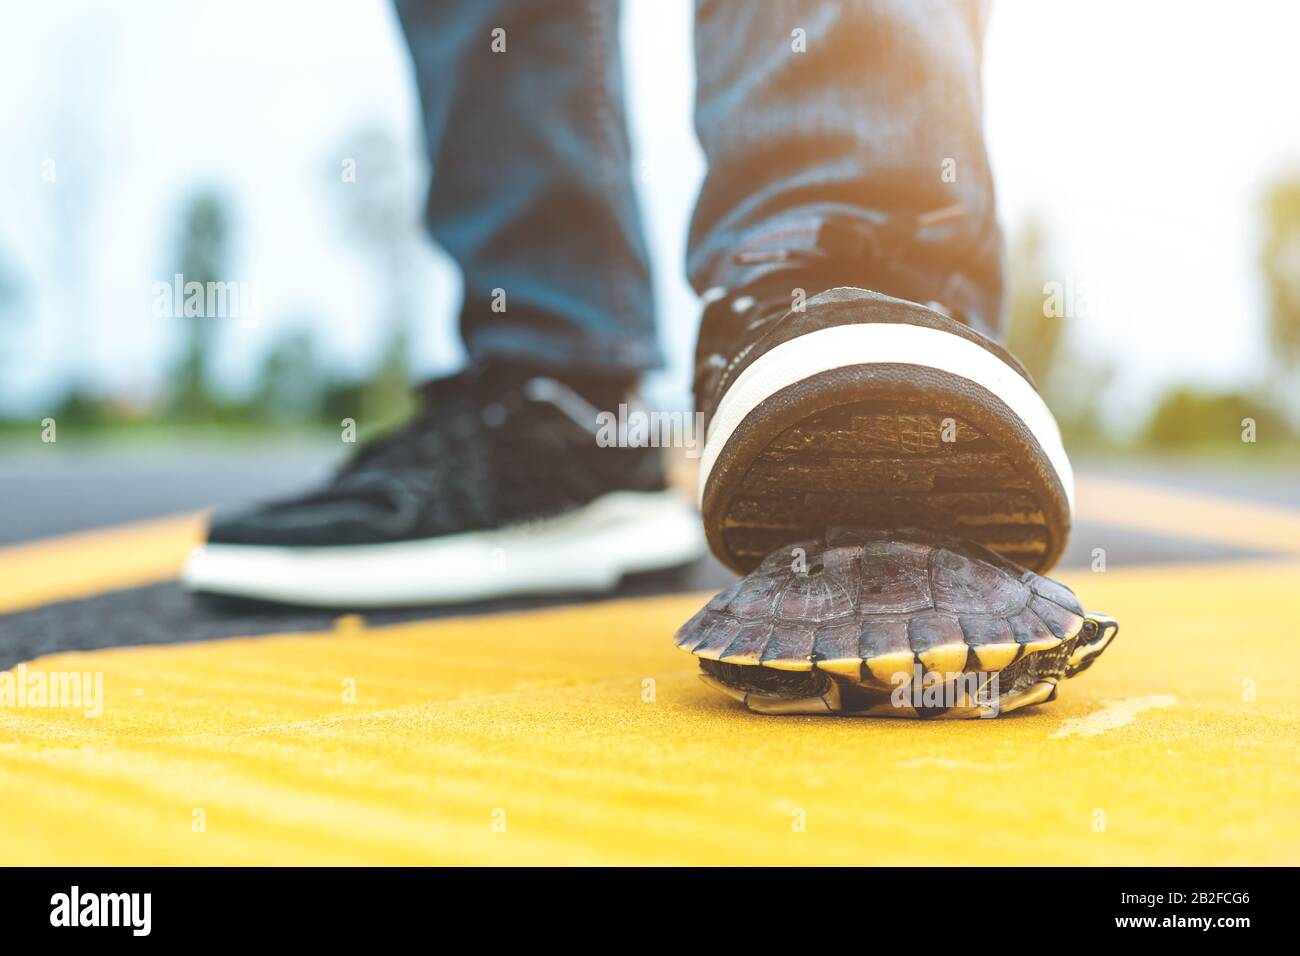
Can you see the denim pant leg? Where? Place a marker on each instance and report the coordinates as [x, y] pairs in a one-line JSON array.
[[531, 191], [865, 110]]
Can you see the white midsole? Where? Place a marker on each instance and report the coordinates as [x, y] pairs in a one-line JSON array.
[[588, 550], [895, 343]]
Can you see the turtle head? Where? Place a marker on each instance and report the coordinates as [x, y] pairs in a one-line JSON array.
[[1094, 637]]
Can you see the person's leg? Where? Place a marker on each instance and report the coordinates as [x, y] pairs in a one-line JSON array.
[[858, 110], [531, 191], [846, 246], [506, 481]]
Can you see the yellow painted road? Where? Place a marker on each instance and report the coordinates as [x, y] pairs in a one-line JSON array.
[[581, 735]]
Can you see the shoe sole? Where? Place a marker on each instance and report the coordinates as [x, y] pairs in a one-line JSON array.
[[588, 550], [883, 426]]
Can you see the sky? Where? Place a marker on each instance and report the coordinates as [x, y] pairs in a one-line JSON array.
[[1142, 134]]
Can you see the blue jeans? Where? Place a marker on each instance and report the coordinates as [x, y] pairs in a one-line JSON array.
[[808, 111]]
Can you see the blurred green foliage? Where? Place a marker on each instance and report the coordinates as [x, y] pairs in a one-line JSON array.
[[1038, 334], [1191, 418], [11, 294], [1280, 265], [295, 387], [203, 247], [1034, 333]]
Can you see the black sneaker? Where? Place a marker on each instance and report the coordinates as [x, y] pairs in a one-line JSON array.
[[497, 487], [865, 410]]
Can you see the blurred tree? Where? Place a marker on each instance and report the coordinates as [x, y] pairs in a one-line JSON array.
[[1039, 332], [82, 409], [1034, 332], [1280, 268], [1280, 261], [378, 194], [379, 400], [386, 396], [202, 251], [11, 294], [290, 386]]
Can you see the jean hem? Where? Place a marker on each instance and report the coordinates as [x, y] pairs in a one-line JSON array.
[[518, 343]]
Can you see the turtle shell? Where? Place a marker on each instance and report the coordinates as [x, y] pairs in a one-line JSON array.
[[867, 606]]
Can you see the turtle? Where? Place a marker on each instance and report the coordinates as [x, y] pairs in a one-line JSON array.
[[901, 623]]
